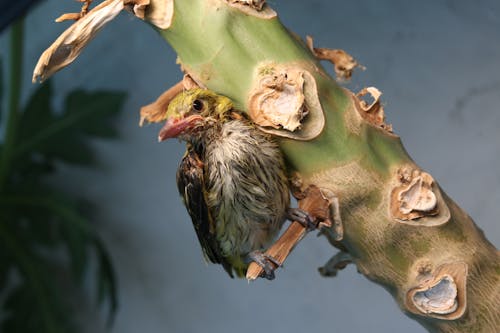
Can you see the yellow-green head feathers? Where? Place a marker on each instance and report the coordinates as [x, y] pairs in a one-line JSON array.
[[193, 111], [204, 102]]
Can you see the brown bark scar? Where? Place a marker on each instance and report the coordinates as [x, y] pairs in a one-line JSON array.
[[279, 101], [440, 293], [255, 4], [373, 111], [257, 8], [285, 102], [416, 199]]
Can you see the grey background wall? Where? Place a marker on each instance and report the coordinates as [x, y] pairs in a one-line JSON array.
[[438, 64]]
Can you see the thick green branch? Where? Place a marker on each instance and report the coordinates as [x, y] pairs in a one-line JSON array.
[[402, 231]]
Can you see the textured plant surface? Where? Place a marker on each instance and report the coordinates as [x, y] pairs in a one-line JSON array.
[[395, 223]]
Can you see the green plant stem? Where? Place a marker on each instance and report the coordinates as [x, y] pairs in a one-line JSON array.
[[353, 158], [15, 79]]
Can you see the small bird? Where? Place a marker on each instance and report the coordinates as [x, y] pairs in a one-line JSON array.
[[232, 180]]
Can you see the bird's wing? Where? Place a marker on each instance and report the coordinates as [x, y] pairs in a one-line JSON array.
[[191, 185]]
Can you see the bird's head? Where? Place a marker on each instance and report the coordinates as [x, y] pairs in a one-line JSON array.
[[193, 111]]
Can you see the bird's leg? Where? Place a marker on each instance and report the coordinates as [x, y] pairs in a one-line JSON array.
[[268, 263], [302, 217], [312, 200]]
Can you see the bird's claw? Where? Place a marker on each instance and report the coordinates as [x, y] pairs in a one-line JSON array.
[[267, 262], [302, 217]]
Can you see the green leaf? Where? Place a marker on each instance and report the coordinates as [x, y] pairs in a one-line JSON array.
[[85, 113], [41, 219], [103, 107], [1, 89], [70, 149], [19, 317], [34, 306], [29, 172], [5, 267], [77, 242], [106, 281], [37, 114], [42, 228], [54, 219]]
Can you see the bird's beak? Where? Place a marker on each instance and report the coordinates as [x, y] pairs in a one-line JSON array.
[[173, 127]]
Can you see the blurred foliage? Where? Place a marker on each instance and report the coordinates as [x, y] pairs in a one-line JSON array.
[[47, 241]]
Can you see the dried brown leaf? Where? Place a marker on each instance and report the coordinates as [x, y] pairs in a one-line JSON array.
[[155, 112], [70, 44], [76, 16], [344, 64], [138, 7], [159, 12], [68, 17]]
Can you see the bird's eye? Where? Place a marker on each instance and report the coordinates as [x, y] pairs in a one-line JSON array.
[[197, 105]]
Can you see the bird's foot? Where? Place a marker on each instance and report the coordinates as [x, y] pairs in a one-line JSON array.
[[268, 263], [302, 217]]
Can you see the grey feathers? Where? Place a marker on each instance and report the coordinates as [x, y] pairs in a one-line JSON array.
[[246, 186]]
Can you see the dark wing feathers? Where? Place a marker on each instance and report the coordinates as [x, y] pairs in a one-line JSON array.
[[191, 185]]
